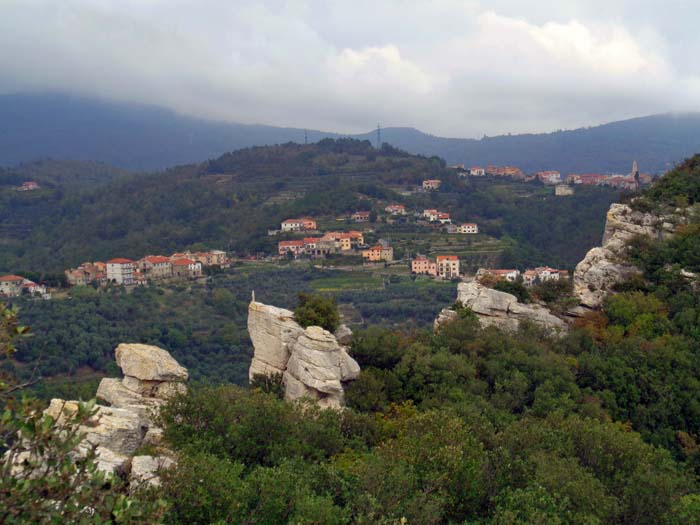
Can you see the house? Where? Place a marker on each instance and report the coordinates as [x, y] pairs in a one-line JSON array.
[[395, 209], [562, 190], [421, 265], [549, 177], [314, 246], [378, 253], [295, 247], [29, 186], [587, 179], [505, 171], [211, 258], [505, 275], [77, 276], [430, 214], [35, 290], [437, 216], [543, 273], [431, 184], [120, 271], [477, 171], [447, 266], [468, 227], [443, 218], [624, 183], [360, 216], [297, 225], [156, 266], [86, 273], [11, 285], [187, 268]]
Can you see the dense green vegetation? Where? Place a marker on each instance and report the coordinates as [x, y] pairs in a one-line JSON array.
[[231, 202], [472, 425], [463, 425], [203, 326]]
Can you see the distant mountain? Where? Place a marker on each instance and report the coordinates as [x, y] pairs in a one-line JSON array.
[[140, 137]]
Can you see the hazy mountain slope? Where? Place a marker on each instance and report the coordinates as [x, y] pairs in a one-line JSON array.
[[146, 138], [130, 136]]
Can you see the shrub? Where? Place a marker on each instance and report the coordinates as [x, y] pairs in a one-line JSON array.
[[317, 310]]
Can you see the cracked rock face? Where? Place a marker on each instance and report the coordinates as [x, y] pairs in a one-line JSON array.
[[312, 362], [119, 430], [605, 266], [501, 309]]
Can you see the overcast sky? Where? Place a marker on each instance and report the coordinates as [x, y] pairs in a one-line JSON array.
[[447, 67]]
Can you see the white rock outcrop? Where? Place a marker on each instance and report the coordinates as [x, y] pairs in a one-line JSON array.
[[117, 431], [312, 362], [605, 266], [501, 309]]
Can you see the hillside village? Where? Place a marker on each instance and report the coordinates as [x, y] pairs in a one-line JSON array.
[[305, 239]]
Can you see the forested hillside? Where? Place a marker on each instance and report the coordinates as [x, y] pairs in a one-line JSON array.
[[473, 425], [230, 202], [464, 425]]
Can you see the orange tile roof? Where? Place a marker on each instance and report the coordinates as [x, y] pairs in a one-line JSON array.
[[156, 259], [11, 278], [447, 258], [183, 262], [120, 260]]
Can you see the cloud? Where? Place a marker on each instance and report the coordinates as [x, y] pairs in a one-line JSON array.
[[447, 66]]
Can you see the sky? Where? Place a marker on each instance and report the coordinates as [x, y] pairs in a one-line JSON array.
[[447, 67]]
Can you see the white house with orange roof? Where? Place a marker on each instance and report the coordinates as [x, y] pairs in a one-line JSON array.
[[295, 247], [431, 184], [297, 225], [11, 285], [121, 271]]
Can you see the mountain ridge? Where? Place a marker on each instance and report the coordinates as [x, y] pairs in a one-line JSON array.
[[145, 138]]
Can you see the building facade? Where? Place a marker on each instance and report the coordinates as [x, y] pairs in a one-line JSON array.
[[121, 271]]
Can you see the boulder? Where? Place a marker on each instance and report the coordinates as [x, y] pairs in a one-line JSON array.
[[312, 362], [446, 315], [145, 470], [114, 392], [501, 309], [149, 363], [343, 335], [119, 430], [116, 432]]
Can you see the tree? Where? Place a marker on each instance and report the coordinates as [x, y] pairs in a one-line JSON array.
[[317, 310]]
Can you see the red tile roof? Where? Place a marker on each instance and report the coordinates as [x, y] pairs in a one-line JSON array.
[[284, 244], [120, 260], [447, 258], [183, 262], [11, 278], [157, 259]]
